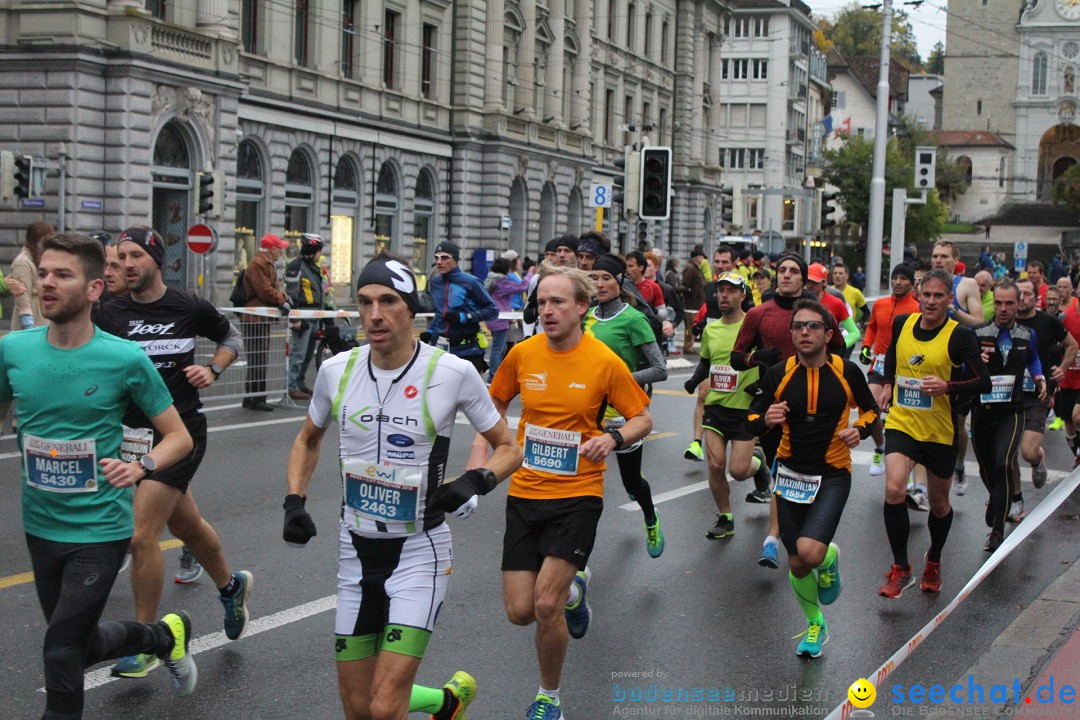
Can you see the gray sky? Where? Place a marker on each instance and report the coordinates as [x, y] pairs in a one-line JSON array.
[[927, 20]]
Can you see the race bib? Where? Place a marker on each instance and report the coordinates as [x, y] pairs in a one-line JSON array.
[[1001, 391], [1029, 382], [380, 491], [794, 486], [136, 443], [723, 378], [67, 466], [877, 365], [909, 394], [552, 451]]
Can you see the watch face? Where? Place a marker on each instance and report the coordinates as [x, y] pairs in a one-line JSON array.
[[1068, 9]]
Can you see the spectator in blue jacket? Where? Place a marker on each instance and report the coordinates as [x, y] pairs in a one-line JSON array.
[[461, 304]]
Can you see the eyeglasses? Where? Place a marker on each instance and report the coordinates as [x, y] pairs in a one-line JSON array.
[[444, 257], [808, 324]]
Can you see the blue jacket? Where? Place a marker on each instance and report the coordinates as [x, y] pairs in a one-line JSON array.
[[461, 304]]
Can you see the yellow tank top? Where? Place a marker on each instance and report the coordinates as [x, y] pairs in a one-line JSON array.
[[913, 412]]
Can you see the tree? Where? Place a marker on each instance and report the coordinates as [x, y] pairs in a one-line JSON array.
[[855, 31], [935, 64], [1066, 189]]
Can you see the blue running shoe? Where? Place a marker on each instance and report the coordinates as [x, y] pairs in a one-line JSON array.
[[134, 667], [578, 616], [815, 638], [654, 538], [828, 580], [768, 557], [544, 708], [190, 569], [236, 612]]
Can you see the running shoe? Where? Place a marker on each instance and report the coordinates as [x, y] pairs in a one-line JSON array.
[[763, 496], [544, 708], [828, 580], [762, 477], [182, 670], [917, 500], [134, 666], [1073, 443], [897, 580], [694, 452], [236, 611], [768, 557], [931, 576], [1057, 424], [724, 527], [1016, 511], [877, 463], [960, 483], [993, 541], [579, 616], [654, 538], [816, 636], [1038, 475], [460, 692], [190, 569]]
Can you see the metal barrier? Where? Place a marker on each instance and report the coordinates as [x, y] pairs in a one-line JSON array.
[[262, 370]]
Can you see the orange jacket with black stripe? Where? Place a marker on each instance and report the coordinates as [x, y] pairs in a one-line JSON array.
[[819, 400]]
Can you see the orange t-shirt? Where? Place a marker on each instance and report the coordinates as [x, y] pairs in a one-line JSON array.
[[563, 398]]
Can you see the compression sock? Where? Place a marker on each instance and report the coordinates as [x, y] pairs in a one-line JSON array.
[[806, 593], [427, 700], [897, 527], [939, 533]]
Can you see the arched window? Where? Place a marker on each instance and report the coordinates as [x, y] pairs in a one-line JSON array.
[[511, 46], [965, 162], [575, 222], [172, 204], [519, 216], [1038, 74], [423, 219], [250, 193], [344, 215], [299, 195], [386, 211]]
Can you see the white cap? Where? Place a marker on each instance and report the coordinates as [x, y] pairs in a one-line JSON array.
[[509, 255]]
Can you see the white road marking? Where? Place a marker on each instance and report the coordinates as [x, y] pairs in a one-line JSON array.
[[100, 677]]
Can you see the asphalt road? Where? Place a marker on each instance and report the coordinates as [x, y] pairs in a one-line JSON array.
[[703, 615]]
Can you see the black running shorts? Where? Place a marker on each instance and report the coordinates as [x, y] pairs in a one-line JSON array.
[[180, 474], [728, 423], [565, 528], [938, 459], [817, 520]]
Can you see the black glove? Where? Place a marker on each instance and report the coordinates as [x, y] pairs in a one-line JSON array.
[[698, 328], [299, 527], [285, 307], [865, 356], [456, 318], [448, 497], [766, 357], [690, 386]]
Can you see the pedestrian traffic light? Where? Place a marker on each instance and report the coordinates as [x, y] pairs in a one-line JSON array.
[[24, 176], [731, 206], [925, 163], [824, 198], [211, 194], [625, 191], [655, 203]]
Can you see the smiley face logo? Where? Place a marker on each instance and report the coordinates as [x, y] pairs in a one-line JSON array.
[[862, 693]]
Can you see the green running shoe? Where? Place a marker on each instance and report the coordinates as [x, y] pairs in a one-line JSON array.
[[694, 452], [654, 538], [828, 580], [815, 638]]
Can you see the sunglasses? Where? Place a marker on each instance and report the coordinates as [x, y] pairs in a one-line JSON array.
[[808, 324], [444, 257]]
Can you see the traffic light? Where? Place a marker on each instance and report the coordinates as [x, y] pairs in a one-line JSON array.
[[211, 194], [824, 198], [625, 191], [731, 206], [925, 162], [24, 176], [655, 203], [643, 234]]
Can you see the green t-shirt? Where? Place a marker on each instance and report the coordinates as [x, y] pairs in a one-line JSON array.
[[69, 404], [727, 385], [988, 305], [622, 333]]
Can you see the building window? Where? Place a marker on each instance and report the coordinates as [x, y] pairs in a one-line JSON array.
[[978, 107], [156, 8], [839, 100], [751, 216], [965, 164], [348, 38], [722, 160], [250, 193], [761, 69], [1001, 173], [609, 119], [612, 11], [511, 42], [761, 27], [1038, 75], [631, 16], [737, 158], [661, 132], [171, 206], [723, 70], [647, 50], [1069, 81], [628, 117], [646, 116], [423, 219], [427, 62], [300, 36], [757, 159], [740, 69], [344, 217], [568, 95], [664, 42], [391, 23], [249, 25], [740, 27], [788, 216], [386, 210], [299, 196]]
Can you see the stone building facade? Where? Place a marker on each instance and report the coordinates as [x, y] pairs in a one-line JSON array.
[[391, 124]]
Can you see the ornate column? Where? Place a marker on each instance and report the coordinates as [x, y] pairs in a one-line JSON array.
[[526, 89], [213, 18], [553, 81], [493, 83]]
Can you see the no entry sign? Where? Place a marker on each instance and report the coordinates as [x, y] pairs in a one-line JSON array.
[[201, 239]]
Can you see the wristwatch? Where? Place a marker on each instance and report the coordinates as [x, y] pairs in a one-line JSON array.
[[148, 465], [216, 369], [617, 437]]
